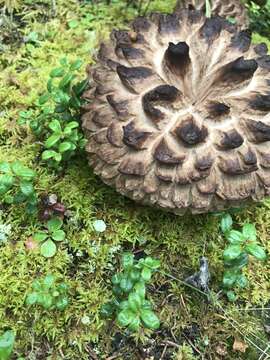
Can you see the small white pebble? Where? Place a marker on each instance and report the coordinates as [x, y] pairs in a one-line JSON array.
[[99, 225]]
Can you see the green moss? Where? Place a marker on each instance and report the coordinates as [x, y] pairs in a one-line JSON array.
[[88, 259]]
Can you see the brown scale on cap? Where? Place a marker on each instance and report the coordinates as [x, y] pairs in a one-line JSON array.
[[178, 113], [225, 8]]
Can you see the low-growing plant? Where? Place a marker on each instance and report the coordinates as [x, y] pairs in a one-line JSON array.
[[6, 344], [16, 185], [49, 294], [129, 305], [50, 207], [56, 121], [243, 243], [48, 236]]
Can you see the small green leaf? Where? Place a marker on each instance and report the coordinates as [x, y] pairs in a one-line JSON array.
[[70, 126], [126, 284], [107, 310], [22, 171], [135, 274], [125, 317], [249, 232], [44, 98], [72, 24], [54, 224], [226, 223], [62, 303], [239, 262], [64, 146], [76, 65], [99, 225], [48, 154], [26, 188], [31, 300], [150, 320], [48, 249], [146, 274], [57, 72], [229, 278], [66, 80], [232, 252], [134, 301], [152, 263], [52, 140], [124, 305], [139, 287], [3, 189], [40, 236], [55, 126], [116, 279], [231, 296], [127, 260], [257, 251], [6, 344], [242, 281], [7, 180], [58, 235], [235, 237], [5, 167], [134, 324]]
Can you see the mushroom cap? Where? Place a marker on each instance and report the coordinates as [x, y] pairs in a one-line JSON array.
[[225, 8], [178, 113]]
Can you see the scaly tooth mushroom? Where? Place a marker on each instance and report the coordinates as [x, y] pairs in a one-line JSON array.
[[178, 113]]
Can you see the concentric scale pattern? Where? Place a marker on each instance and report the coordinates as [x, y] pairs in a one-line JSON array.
[[178, 113], [231, 9]]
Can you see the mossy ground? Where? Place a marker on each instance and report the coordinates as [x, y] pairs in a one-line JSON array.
[[87, 261]]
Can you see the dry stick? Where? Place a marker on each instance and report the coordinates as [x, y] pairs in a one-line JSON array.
[[232, 321]]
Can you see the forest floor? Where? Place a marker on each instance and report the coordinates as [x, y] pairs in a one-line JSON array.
[[192, 327]]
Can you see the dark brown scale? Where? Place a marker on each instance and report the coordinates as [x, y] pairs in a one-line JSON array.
[[166, 155], [231, 140], [261, 49], [204, 163], [177, 57], [168, 23], [130, 75], [211, 29], [260, 103], [264, 62], [190, 133], [242, 40], [133, 137], [120, 107], [260, 131], [137, 168], [217, 109], [239, 70]]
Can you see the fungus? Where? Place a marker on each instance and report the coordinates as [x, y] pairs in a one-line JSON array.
[[234, 11], [178, 113]]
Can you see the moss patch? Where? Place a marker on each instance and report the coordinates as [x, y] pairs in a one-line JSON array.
[[88, 259]]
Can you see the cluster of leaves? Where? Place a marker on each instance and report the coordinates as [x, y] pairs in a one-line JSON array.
[[57, 123], [242, 245], [6, 344], [47, 237], [16, 185], [129, 304], [48, 294]]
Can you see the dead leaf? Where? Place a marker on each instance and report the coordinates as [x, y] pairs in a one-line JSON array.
[[31, 244], [239, 345], [221, 350]]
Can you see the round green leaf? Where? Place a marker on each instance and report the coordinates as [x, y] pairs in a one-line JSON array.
[[40, 236], [7, 180], [26, 188], [66, 80], [3, 189], [232, 252], [125, 317], [76, 65], [99, 225], [52, 140], [126, 284], [235, 237], [48, 249], [139, 287], [134, 274], [231, 296], [54, 224], [127, 260], [58, 235], [256, 250], [64, 146], [229, 278], [242, 281], [149, 319], [6, 344], [116, 279], [31, 298], [146, 274], [134, 324], [134, 301], [55, 126], [5, 167], [152, 263], [22, 171], [48, 281], [44, 98], [226, 223], [249, 232], [48, 154], [62, 303]]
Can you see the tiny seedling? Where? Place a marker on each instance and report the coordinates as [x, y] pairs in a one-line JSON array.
[[47, 237], [6, 344], [16, 185], [129, 305], [242, 244], [56, 120], [48, 294]]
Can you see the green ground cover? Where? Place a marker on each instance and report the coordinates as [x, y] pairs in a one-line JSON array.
[[33, 40]]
